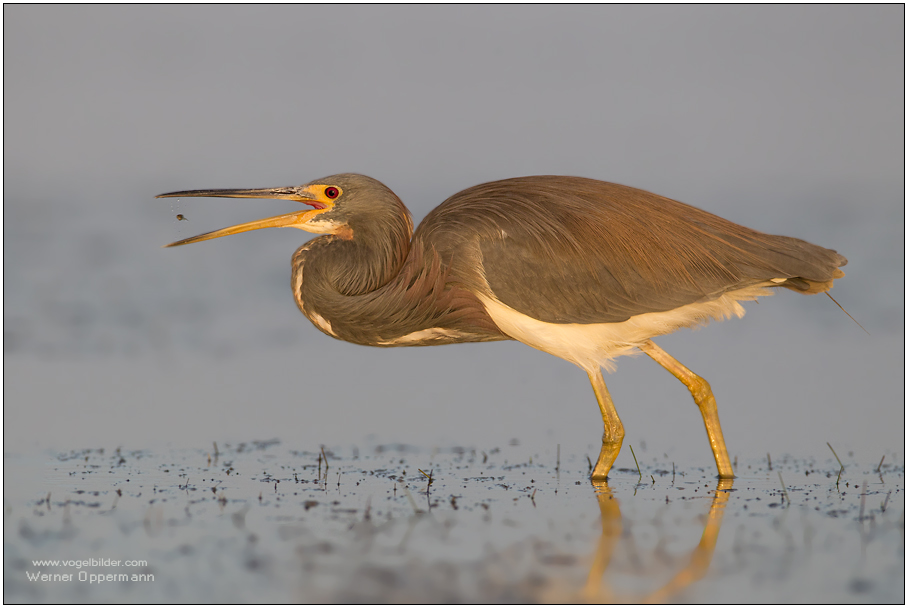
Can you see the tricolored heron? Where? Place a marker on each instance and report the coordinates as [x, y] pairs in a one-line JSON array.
[[582, 269]]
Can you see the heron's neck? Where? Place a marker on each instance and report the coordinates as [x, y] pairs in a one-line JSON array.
[[367, 261], [364, 257], [330, 275], [395, 296]]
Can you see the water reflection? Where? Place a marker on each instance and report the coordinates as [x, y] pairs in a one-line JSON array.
[[598, 589]]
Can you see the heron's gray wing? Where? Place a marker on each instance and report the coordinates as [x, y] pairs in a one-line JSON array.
[[573, 250]]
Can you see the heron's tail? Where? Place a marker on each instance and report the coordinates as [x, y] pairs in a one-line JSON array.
[[820, 264]]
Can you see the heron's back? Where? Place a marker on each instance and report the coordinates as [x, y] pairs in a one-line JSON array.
[[576, 250]]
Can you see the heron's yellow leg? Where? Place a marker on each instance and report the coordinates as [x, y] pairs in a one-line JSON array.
[[614, 430], [703, 396]]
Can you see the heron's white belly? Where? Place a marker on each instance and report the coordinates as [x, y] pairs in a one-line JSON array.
[[594, 345], [427, 335]]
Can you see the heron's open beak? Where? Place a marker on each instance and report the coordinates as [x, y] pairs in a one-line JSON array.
[[296, 219]]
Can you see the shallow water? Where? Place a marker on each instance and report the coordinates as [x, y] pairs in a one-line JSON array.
[[265, 521]]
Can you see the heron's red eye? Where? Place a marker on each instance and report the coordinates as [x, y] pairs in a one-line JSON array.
[[331, 192]]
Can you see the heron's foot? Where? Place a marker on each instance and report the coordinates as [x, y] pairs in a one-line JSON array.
[[607, 456]]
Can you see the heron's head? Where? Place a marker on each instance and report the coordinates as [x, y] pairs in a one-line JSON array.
[[344, 205]]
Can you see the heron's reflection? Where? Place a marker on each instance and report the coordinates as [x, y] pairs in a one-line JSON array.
[[597, 588]]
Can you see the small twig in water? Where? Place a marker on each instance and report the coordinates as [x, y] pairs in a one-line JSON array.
[[863, 498], [428, 476], [635, 461], [769, 460], [558, 458], [326, 460], [885, 502], [784, 489], [879, 467], [589, 462], [838, 477], [836, 456]]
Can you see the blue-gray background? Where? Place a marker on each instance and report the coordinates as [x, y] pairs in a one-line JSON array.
[[785, 119]]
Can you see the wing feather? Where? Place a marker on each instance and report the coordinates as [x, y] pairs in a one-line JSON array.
[[576, 250]]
